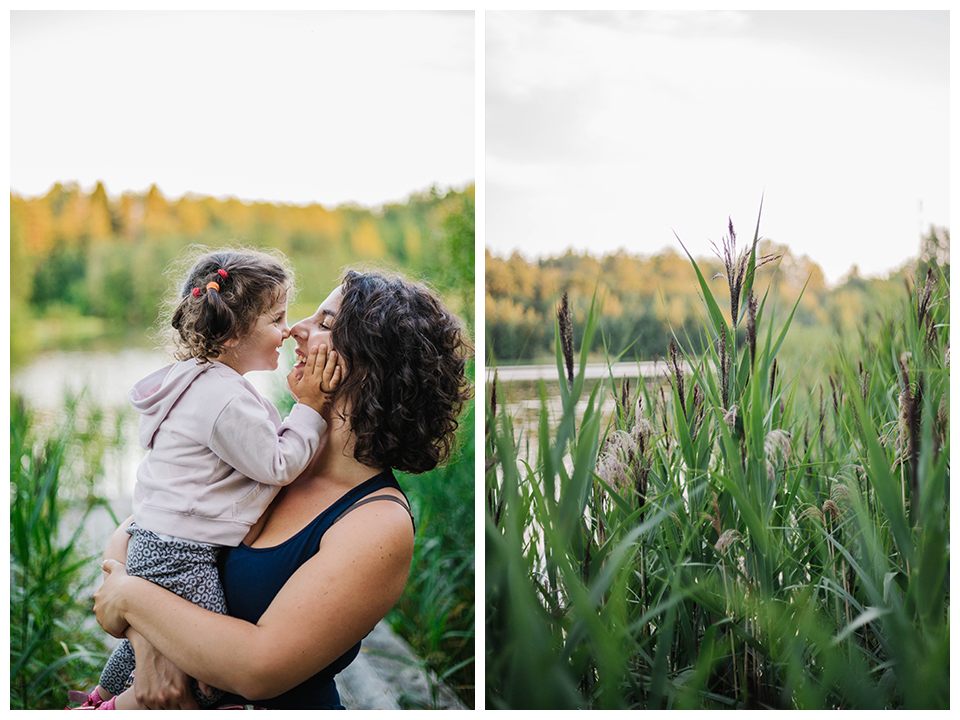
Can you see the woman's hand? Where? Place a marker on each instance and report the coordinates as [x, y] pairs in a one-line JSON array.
[[311, 381], [158, 684], [108, 600]]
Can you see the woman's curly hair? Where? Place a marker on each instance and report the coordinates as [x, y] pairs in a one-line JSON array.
[[405, 382], [205, 318]]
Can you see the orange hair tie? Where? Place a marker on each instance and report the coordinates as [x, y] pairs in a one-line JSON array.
[[213, 285]]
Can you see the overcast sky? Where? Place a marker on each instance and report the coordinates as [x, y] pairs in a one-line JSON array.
[[284, 107], [608, 130]]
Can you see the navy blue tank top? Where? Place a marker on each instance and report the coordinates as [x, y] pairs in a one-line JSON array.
[[252, 577]]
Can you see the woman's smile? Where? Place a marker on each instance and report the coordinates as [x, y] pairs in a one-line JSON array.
[[314, 331]]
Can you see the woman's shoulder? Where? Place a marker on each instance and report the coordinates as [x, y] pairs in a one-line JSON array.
[[383, 515]]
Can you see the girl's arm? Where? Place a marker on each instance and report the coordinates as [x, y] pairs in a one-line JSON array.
[[333, 601], [245, 438]]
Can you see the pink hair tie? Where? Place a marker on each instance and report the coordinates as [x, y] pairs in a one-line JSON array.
[[222, 273], [196, 292]]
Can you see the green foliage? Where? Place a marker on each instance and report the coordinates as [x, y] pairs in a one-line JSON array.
[[53, 646], [452, 263], [436, 613], [60, 277], [732, 538]]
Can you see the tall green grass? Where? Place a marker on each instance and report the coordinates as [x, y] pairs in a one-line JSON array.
[[732, 538], [437, 611], [54, 647]]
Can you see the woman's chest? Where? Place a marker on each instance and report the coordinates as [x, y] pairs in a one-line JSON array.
[[291, 512]]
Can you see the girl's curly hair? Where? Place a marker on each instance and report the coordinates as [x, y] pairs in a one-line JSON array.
[[204, 318], [405, 381]]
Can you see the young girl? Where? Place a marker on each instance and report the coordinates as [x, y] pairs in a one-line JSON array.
[[217, 452]]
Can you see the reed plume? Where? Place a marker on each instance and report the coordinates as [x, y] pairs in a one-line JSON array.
[[737, 268], [566, 336]]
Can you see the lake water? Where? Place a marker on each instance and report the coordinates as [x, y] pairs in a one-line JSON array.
[[105, 378], [518, 392]]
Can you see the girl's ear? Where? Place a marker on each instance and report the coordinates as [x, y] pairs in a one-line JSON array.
[[232, 342]]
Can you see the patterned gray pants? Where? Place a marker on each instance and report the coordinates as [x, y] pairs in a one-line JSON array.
[[187, 568]]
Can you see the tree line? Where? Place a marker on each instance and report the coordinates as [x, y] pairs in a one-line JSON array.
[[78, 255], [645, 300]]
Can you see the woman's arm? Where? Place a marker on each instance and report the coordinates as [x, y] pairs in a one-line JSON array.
[[333, 601], [158, 684]]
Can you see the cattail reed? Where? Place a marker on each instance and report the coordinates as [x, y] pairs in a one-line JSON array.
[[822, 423], [624, 400], [493, 403], [495, 503], [566, 336], [924, 296], [697, 411], [678, 375], [724, 368], [835, 393], [752, 325], [910, 425]]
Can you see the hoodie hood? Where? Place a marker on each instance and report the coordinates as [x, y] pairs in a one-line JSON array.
[[156, 394]]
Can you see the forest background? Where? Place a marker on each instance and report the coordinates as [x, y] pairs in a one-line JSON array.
[[644, 299], [87, 268]]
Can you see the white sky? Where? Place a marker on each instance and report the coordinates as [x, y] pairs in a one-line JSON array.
[[291, 107], [608, 130]]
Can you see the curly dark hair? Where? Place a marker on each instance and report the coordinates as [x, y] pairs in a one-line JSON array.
[[405, 382], [249, 281]]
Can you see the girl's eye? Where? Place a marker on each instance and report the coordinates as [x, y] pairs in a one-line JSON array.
[[325, 327]]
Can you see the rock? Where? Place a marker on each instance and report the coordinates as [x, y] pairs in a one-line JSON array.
[[388, 676]]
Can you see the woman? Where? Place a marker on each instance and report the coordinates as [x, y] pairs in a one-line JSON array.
[[331, 555]]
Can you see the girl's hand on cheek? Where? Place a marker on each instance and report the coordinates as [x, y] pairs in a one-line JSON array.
[[319, 375]]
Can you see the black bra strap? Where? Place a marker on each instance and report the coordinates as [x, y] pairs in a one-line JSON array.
[[366, 500]]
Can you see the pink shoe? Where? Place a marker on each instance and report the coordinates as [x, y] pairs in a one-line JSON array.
[[90, 702]]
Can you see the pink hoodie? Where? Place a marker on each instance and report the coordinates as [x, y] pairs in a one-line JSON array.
[[217, 453]]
